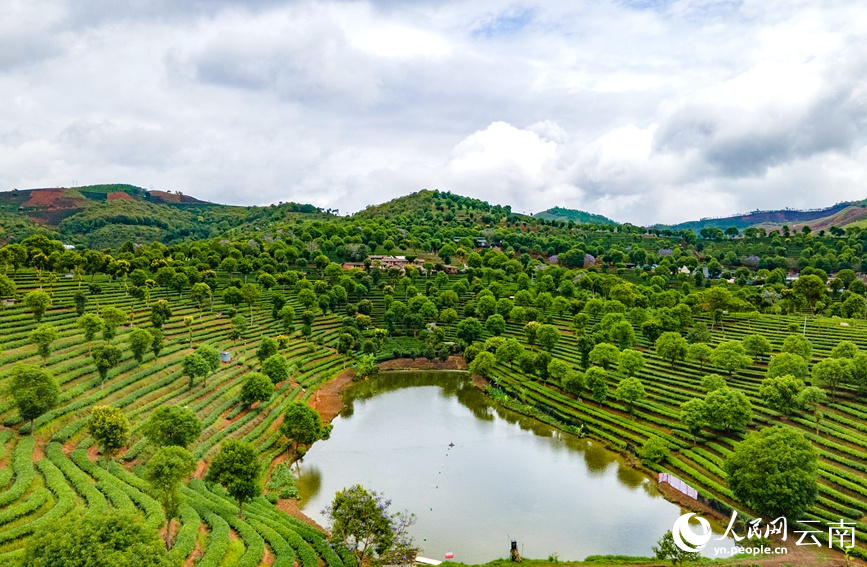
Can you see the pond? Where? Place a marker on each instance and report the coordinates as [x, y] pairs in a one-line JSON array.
[[506, 476]]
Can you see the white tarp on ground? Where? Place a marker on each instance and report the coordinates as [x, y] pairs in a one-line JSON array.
[[678, 485]]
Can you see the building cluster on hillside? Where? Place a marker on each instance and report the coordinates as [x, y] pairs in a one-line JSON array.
[[397, 262]]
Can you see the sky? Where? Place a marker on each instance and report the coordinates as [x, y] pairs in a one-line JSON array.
[[645, 111]]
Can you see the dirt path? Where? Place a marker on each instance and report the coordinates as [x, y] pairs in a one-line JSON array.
[[193, 557], [200, 469], [451, 363], [327, 399], [39, 449]]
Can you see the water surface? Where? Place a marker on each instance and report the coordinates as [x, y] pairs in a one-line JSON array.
[[507, 476]]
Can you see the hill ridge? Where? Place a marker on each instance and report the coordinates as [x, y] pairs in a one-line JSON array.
[[576, 215]]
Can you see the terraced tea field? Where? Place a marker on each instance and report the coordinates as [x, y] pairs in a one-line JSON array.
[[48, 475], [54, 472]]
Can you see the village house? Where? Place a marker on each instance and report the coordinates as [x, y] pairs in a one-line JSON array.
[[388, 261]]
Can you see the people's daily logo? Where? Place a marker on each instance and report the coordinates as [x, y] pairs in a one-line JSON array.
[[756, 539], [688, 540]]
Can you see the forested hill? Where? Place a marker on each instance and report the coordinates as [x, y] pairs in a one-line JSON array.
[[561, 214], [106, 216], [429, 202]]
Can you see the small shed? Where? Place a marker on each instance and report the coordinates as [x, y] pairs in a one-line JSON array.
[[225, 356]]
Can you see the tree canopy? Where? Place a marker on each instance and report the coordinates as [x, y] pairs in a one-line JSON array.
[[236, 466], [302, 425], [165, 471], [728, 409], [172, 425], [109, 427], [34, 391], [361, 520], [112, 538], [774, 472], [257, 387]]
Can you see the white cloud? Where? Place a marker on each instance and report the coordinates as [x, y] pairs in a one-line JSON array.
[[646, 112]]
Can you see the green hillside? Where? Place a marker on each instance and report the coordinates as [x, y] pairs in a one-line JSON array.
[[428, 203], [574, 215], [107, 216], [99, 192]]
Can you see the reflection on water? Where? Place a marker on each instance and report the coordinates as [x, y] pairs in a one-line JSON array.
[[308, 479], [507, 475]]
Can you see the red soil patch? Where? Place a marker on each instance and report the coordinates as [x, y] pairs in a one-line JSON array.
[[43, 197], [197, 552], [203, 395], [166, 197], [119, 196], [38, 451], [68, 447], [201, 468], [327, 399], [290, 506], [53, 199], [226, 421], [267, 558], [478, 381]]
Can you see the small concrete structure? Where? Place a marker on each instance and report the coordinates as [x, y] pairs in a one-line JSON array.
[[225, 356]]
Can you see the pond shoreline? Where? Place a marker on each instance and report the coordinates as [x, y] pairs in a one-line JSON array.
[[328, 399]]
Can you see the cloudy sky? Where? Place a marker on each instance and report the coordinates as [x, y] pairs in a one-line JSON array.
[[643, 110]]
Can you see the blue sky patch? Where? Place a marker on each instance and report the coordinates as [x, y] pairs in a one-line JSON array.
[[507, 23]]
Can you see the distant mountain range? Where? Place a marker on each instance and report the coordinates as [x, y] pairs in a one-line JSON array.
[[839, 215], [103, 216]]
